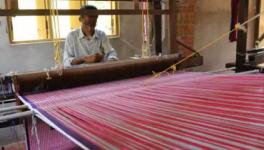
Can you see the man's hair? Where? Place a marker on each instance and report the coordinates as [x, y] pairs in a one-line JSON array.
[[87, 7]]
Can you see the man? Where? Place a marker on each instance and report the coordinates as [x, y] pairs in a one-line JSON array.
[[87, 45]]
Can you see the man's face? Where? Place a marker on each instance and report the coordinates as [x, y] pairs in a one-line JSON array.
[[89, 20]]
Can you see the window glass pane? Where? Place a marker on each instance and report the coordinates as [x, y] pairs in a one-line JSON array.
[[30, 4], [33, 28], [25, 30], [104, 22]]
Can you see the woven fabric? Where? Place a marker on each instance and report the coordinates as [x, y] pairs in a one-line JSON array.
[[49, 138], [182, 111]]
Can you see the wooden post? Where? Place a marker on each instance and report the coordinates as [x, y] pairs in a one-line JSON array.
[[157, 27], [241, 37], [258, 10], [173, 27]]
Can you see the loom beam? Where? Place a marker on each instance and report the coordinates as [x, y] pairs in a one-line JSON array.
[[16, 115], [19, 107], [97, 73]]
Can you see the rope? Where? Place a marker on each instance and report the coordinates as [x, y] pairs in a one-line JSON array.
[[47, 74], [54, 13], [34, 130], [237, 27]]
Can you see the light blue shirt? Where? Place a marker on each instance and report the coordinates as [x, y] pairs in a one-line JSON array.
[[76, 46]]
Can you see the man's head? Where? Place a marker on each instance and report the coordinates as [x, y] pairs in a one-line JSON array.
[[88, 20]]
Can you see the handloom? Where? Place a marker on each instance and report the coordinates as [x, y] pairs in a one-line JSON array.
[[177, 111], [185, 110]]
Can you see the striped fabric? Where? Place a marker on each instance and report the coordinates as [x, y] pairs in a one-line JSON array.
[[49, 138], [182, 111]]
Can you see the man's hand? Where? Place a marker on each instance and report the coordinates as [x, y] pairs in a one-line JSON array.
[[88, 59], [93, 58]]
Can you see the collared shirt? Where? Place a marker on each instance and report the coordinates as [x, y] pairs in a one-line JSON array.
[[77, 45]]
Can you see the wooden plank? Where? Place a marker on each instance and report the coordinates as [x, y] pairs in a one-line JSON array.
[[44, 12], [157, 27], [242, 37]]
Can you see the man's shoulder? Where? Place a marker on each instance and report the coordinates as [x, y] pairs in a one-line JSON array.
[[74, 32], [100, 33]]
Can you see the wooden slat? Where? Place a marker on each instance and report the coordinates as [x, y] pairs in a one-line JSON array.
[[44, 12]]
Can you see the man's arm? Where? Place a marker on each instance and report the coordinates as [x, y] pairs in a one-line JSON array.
[[68, 53], [110, 53], [87, 59], [77, 61], [92, 58]]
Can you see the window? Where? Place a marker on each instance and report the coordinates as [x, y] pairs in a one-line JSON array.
[[41, 28]]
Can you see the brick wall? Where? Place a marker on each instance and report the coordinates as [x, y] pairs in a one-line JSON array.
[[185, 23]]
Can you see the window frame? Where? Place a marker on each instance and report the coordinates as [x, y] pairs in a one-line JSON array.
[[13, 4]]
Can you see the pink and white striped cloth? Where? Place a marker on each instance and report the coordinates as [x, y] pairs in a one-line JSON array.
[[181, 111]]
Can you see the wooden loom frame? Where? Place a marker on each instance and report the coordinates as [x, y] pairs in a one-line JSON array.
[[241, 63]]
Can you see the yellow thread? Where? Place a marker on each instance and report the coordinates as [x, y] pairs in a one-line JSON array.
[[237, 26], [47, 74], [173, 68], [56, 38]]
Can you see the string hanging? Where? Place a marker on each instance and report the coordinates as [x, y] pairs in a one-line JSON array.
[[145, 30], [56, 35]]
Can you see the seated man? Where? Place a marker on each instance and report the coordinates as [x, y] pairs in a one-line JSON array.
[[86, 44]]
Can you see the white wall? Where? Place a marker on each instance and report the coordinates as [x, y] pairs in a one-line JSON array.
[[26, 57], [212, 20]]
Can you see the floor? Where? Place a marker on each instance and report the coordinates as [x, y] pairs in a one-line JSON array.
[[11, 135], [14, 146]]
